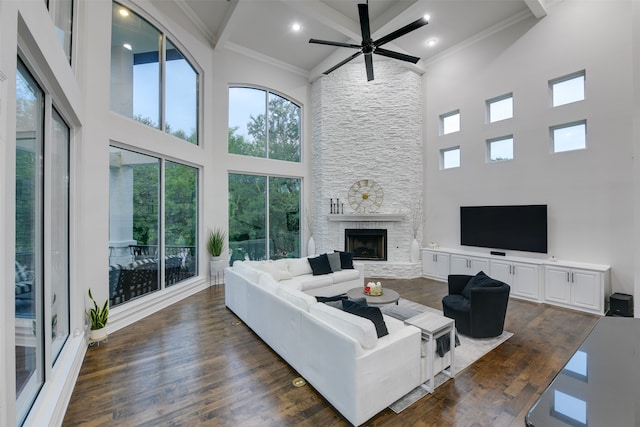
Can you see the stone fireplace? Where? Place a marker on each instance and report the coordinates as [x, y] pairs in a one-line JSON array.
[[368, 130], [366, 244]]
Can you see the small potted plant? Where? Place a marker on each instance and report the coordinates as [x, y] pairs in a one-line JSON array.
[[215, 247], [98, 317]]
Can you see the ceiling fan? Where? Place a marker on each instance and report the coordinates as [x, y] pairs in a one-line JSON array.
[[370, 46]]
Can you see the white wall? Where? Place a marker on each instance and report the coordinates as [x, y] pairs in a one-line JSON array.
[[589, 193]]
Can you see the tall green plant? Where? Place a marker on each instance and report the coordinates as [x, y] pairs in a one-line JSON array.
[[215, 243], [98, 316]]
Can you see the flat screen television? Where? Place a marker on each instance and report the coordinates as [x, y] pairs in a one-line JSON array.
[[519, 228]]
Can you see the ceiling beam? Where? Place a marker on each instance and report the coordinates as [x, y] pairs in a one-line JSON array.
[[229, 22], [537, 8]]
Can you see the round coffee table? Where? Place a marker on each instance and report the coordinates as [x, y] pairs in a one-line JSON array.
[[389, 296]]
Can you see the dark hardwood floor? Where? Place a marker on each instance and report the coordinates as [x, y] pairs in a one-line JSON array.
[[195, 363]]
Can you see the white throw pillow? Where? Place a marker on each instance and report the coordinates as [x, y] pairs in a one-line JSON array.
[[276, 273], [299, 266], [297, 298]]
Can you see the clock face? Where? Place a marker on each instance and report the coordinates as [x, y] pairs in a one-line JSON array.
[[365, 196]]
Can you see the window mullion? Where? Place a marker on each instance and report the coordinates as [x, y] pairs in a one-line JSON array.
[[267, 218], [161, 225], [161, 82]]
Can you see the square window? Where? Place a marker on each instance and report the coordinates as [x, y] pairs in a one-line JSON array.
[[450, 122], [450, 158], [500, 108], [499, 149], [567, 89], [568, 137]]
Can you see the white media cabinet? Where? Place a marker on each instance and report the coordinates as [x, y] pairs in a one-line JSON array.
[[574, 285]]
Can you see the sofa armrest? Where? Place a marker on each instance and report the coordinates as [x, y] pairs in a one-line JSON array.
[[457, 282]]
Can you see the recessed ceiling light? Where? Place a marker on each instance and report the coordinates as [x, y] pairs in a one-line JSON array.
[[124, 12], [127, 46], [296, 27], [427, 17], [432, 42]]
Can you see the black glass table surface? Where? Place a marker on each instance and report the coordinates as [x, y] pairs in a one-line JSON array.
[[599, 385]]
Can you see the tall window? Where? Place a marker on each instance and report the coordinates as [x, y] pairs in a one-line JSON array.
[[42, 220], [263, 124], [62, 11], [139, 261], [151, 80], [264, 217]]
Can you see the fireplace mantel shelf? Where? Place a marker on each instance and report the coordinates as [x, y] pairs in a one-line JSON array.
[[375, 217]]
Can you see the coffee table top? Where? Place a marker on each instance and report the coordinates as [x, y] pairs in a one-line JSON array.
[[388, 296]]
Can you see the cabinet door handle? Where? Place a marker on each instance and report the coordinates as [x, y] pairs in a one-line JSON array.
[[571, 277], [435, 258], [568, 277]]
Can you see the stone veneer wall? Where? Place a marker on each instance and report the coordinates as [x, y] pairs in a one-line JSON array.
[[369, 130]]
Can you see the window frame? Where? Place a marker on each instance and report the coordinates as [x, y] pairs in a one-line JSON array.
[[268, 92], [553, 129], [489, 143], [495, 100], [564, 79], [442, 119], [444, 151], [164, 36]]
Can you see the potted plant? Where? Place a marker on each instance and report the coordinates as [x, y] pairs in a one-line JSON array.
[[98, 317], [215, 247]]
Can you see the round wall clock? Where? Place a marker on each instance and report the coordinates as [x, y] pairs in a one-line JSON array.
[[365, 196]]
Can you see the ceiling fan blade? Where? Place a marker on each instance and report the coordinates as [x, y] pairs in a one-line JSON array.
[[363, 11], [355, 55], [396, 55], [401, 32], [368, 62], [330, 43]]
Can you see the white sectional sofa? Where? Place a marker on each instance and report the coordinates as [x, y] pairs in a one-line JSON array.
[[338, 353]]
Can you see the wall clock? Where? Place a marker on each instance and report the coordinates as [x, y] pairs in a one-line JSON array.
[[365, 196]]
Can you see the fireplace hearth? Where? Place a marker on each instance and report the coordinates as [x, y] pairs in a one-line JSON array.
[[366, 244]]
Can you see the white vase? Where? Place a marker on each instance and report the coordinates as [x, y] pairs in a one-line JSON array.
[[414, 251], [311, 246]]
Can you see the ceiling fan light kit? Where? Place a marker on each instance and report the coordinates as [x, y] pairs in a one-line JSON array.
[[369, 46]]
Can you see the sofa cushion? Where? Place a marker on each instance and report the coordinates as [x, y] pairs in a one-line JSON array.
[[320, 265], [299, 266], [275, 270], [358, 328], [346, 260], [312, 282], [372, 313], [345, 275], [334, 261], [478, 281], [268, 282], [295, 297], [247, 271]]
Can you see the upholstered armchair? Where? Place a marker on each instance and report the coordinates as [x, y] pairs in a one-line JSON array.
[[478, 304]]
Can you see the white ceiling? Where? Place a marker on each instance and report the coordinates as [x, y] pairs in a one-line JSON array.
[[262, 28]]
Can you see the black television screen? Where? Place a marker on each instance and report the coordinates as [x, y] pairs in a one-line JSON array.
[[519, 228]]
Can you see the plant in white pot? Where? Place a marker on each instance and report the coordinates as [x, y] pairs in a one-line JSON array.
[[98, 317], [215, 247]]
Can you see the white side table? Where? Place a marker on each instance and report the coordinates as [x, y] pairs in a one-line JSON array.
[[433, 326]]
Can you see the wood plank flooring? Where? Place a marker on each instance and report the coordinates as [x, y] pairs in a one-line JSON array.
[[195, 363]]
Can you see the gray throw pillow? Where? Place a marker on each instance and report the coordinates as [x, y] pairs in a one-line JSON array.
[[334, 261]]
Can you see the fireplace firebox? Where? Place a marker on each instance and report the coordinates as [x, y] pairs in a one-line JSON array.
[[366, 244]]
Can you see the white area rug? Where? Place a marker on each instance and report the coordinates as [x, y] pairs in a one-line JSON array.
[[469, 350]]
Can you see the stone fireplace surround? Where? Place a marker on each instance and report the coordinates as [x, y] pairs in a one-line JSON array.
[[368, 130]]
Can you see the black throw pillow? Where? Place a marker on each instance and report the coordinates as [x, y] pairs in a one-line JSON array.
[[346, 260], [328, 299], [320, 265], [372, 313]]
